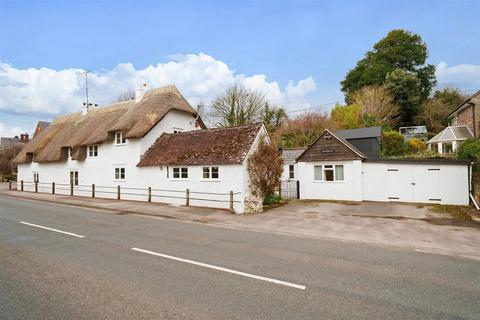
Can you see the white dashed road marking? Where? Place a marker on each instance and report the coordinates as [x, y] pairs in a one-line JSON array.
[[205, 265], [51, 229]]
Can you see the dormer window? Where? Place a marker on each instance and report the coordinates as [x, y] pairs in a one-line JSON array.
[[93, 151], [120, 139]]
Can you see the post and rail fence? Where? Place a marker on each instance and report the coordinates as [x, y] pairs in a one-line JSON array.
[[118, 192]]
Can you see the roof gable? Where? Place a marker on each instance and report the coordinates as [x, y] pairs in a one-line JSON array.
[[330, 147], [463, 105], [221, 146]]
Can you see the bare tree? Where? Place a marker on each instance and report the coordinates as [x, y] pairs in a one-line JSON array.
[[377, 106], [238, 106], [126, 96]]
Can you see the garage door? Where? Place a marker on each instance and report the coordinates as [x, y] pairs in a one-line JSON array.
[[413, 184]]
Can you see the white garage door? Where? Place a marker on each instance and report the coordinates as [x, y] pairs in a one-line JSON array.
[[414, 184]]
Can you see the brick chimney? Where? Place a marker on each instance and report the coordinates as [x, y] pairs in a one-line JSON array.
[[24, 137]]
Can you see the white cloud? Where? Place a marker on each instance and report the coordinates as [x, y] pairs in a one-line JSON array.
[[462, 76], [7, 131], [199, 77]]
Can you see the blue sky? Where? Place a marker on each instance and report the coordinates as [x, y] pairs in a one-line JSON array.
[[264, 42]]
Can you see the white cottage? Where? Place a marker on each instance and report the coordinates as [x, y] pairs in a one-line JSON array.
[[116, 151], [333, 169]]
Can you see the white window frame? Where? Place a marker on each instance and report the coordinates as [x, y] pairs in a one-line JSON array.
[[120, 174], [36, 176], [291, 171], [329, 167], [93, 151], [177, 130], [181, 173], [120, 139], [75, 177], [209, 172]]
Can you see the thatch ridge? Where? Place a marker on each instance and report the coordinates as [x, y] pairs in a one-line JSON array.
[[77, 131]]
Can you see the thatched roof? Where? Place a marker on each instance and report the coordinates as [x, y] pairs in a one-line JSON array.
[[221, 146], [77, 131]]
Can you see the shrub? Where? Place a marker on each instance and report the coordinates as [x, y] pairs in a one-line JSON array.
[[265, 168], [470, 149], [393, 144], [272, 199], [416, 145]]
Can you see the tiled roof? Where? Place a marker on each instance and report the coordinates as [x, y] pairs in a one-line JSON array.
[[79, 130], [222, 146], [290, 155], [463, 105]]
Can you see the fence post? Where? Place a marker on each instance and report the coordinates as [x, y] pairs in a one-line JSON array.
[[187, 198], [298, 189], [71, 188], [93, 190], [118, 192], [9, 185], [36, 186], [53, 187], [149, 194], [231, 200], [21, 185]]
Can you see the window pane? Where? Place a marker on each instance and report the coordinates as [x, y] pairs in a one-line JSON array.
[[214, 172], [184, 173], [328, 174], [339, 172], [206, 173], [291, 173], [122, 173], [176, 173], [117, 173], [317, 172]]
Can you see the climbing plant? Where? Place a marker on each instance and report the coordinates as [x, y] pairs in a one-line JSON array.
[[265, 169]]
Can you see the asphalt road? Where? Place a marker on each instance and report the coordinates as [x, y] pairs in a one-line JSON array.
[[205, 272]]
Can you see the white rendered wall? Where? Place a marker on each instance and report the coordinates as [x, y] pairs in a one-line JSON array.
[[349, 189], [286, 172], [101, 172], [416, 183]]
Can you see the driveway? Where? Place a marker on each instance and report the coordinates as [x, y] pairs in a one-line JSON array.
[[409, 226], [403, 225]]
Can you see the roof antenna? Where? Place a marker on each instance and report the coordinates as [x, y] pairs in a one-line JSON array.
[[86, 105]]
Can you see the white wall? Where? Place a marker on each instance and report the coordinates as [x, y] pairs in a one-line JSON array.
[[101, 172], [286, 172], [174, 120], [349, 189], [416, 182]]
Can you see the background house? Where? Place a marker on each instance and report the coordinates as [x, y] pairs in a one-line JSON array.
[[464, 124], [40, 126], [366, 140]]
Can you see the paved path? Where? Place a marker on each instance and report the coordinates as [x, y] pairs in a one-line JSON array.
[[60, 262]]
